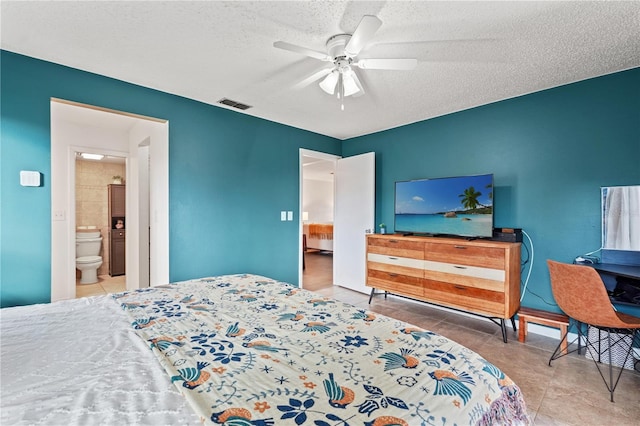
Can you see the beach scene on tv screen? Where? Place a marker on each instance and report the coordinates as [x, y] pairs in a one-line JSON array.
[[451, 206]]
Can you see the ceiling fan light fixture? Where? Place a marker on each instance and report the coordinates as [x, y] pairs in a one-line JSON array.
[[328, 84], [350, 86]]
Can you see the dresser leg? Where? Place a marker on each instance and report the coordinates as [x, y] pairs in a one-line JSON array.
[[371, 295], [513, 322], [503, 327]]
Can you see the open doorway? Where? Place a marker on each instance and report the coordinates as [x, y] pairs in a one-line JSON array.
[[143, 141], [317, 205], [100, 202]]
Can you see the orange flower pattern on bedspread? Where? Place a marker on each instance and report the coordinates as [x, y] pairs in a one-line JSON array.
[[249, 350]]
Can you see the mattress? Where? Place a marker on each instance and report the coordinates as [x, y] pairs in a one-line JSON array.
[[239, 350], [79, 362]]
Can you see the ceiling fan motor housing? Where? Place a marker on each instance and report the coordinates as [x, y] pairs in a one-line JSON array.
[[335, 45]]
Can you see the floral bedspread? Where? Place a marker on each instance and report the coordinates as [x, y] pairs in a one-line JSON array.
[[248, 350]]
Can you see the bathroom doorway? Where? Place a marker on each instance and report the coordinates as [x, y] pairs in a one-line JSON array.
[[100, 184], [143, 142]]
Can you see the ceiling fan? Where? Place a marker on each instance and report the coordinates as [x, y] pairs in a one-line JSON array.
[[342, 51]]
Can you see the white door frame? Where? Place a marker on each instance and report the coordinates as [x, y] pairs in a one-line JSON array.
[[63, 203], [321, 156], [71, 214]]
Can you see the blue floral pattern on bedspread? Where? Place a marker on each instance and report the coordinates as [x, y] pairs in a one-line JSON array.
[[249, 350]]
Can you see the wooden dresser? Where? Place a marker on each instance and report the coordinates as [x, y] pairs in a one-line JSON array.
[[478, 276]]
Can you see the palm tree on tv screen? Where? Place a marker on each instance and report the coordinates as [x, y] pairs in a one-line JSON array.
[[470, 198]]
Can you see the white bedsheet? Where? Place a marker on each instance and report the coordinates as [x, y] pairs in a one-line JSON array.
[[79, 362]]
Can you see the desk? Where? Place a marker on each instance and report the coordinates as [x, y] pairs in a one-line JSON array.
[[631, 273], [618, 270]]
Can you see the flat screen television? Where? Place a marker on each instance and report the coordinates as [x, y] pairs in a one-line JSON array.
[[456, 206]]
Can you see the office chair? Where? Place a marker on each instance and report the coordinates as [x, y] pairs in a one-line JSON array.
[[581, 294]]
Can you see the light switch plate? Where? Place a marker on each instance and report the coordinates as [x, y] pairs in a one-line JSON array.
[[289, 215], [283, 215]]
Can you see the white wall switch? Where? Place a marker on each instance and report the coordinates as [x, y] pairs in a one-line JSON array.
[[283, 215], [289, 216]]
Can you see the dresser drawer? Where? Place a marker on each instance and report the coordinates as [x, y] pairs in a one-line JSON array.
[[467, 271], [395, 283], [473, 299], [396, 247], [466, 280], [395, 268], [463, 254], [396, 260]]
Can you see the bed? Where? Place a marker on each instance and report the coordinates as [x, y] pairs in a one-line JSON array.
[[319, 236], [239, 350]]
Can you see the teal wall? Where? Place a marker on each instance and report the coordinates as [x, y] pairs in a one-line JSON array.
[[550, 152], [230, 175]]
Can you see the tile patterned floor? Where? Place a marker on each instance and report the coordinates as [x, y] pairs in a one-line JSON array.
[[105, 285], [570, 392]]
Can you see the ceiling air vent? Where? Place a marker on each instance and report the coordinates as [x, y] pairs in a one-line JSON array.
[[234, 104]]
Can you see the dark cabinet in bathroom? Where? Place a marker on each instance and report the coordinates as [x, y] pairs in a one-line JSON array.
[[117, 256], [117, 205], [117, 235]]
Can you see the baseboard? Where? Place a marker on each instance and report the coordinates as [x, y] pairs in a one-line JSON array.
[[553, 333]]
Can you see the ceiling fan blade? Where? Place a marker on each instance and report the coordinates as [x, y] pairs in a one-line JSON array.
[[312, 78], [386, 64], [361, 36], [302, 50]]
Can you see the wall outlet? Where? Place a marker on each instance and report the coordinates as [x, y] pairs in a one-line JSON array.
[[58, 215]]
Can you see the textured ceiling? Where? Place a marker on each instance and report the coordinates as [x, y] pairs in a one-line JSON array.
[[469, 53]]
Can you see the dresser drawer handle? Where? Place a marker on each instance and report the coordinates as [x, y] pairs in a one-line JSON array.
[[393, 275], [393, 241], [459, 267], [460, 247], [393, 258], [460, 287]]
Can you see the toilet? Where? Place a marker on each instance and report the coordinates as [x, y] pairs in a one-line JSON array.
[[88, 243]]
